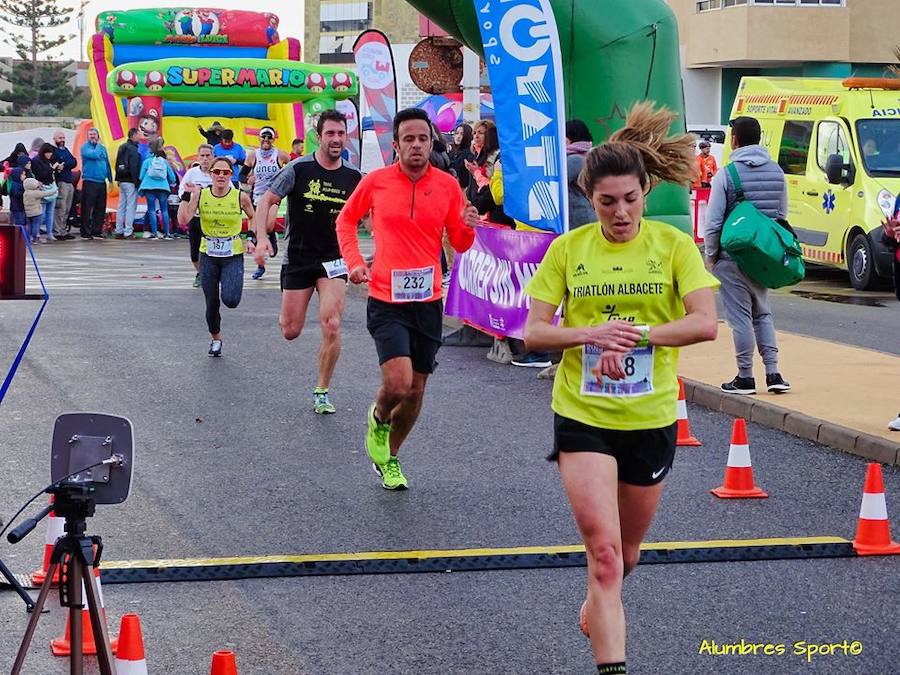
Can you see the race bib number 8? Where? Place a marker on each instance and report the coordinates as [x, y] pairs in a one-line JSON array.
[[220, 247], [638, 367], [412, 285], [335, 268]]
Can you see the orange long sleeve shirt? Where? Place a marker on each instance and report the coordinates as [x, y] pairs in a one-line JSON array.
[[408, 222]]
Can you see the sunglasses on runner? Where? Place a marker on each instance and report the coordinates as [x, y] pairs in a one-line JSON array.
[[269, 136], [221, 172]]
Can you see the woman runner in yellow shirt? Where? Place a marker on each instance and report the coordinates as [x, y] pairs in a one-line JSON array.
[[633, 291], [221, 248]]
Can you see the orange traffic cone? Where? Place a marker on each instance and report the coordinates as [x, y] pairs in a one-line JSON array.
[[223, 663], [130, 656], [685, 437], [55, 529], [739, 473], [62, 646], [873, 534]]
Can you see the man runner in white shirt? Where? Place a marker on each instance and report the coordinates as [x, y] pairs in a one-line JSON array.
[[260, 167]]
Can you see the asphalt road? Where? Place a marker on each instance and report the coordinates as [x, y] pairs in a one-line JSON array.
[[232, 461]]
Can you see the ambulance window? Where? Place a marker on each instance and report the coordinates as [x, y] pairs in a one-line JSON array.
[[794, 150], [831, 141]]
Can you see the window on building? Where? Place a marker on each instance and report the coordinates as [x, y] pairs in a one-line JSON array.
[[794, 149], [832, 140], [706, 5], [733, 3]]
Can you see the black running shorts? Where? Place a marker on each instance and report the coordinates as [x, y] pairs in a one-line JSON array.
[[300, 277], [644, 457], [410, 329]]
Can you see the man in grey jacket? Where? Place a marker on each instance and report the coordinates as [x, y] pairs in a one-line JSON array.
[[746, 302]]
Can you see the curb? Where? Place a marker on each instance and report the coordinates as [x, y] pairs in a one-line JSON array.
[[797, 424]]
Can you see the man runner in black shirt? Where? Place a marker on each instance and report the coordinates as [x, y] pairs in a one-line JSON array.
[[316, 186]]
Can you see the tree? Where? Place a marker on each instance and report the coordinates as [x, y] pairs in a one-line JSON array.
[[37, 85]]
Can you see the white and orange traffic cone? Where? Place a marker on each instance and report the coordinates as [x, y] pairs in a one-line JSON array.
[[130, 658], [873, 533], [56, 528], [223, 663], [739, 472], [685, 437], [62, 646]]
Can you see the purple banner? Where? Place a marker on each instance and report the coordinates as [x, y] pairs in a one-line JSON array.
[[488, 280]]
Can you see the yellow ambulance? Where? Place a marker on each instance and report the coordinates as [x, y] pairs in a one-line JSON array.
[[838, 142]]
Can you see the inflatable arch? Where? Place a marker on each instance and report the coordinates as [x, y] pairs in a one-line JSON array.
[[614, 53], [167, 70]]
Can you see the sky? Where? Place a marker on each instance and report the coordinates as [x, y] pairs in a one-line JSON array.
[[290, 13]]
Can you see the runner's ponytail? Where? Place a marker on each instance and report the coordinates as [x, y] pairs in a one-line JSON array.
[[642, 148]]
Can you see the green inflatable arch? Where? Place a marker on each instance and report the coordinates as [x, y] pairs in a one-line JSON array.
[[614, 53]]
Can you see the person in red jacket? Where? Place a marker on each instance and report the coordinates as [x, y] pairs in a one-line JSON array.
[[411, 204]]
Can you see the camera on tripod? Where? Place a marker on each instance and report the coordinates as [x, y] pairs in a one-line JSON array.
[[91, 462]]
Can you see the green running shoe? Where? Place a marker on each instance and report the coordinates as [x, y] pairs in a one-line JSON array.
[[321, 404], [377, 440], [392, 477]]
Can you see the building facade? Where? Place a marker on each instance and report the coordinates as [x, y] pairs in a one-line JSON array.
[[724, 40], [332, 26]]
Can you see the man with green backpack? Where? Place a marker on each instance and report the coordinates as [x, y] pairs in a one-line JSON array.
[[751, 180]]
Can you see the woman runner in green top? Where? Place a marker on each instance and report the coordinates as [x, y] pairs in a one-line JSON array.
[[221, 248], [633, 291]]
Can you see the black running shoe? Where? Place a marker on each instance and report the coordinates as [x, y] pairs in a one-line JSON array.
[[776, 385], [745, 386]]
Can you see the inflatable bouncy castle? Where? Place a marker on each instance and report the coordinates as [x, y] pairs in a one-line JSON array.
[[167, 71]]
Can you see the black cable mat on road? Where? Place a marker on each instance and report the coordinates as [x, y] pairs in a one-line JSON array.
[[462, 560]]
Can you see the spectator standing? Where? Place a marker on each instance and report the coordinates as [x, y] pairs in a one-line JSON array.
[[34, 209], [21, 171], [10, 162], [706, 166], [42, 169], [36, 146], [128, 170], [157, 177], [890, 236], [578, 143], [65, 183], [461, 152], [233, 151], [95, 174], [480, 172], [213, 135], [745, 301]]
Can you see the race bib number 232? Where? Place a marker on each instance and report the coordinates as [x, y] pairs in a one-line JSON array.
[[412, 285]]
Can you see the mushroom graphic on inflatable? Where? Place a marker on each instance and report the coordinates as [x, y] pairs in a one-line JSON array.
[[316, 82], [126, 79], [155, 80], [341, 82]]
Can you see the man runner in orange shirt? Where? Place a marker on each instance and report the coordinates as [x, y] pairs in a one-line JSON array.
[[411, 204]]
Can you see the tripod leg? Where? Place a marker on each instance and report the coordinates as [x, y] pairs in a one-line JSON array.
[[33, 620], [76, 605], [16, 586], [101, 634]]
